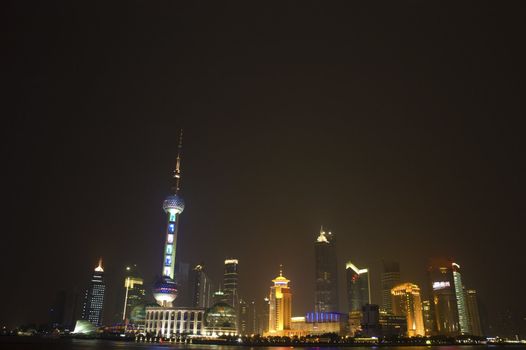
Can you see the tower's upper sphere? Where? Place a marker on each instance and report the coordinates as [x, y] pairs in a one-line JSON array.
[[173, 202]]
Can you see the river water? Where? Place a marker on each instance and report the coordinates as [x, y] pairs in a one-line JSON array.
[[33, 343]]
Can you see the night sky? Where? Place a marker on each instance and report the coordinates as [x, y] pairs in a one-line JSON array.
[[399, 127]]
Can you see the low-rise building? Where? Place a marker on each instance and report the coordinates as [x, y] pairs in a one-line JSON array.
[[170, 322], [317, 323]]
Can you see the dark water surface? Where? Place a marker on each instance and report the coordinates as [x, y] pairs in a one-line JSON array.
[[32, 343]]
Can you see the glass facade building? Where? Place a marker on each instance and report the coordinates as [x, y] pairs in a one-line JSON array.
[[134, 295], [444, 298], [461, 300], [200, 287], [473, 312], [230, 282], [326, 274], [358, 287], [390, 278]]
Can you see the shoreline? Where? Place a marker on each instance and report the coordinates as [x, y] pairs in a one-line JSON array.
[[39, 339]]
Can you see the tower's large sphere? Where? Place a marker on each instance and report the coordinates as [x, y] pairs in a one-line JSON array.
[[165, 291], [173, 203]]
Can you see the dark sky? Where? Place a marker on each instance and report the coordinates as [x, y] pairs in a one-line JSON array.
[[397, 126]]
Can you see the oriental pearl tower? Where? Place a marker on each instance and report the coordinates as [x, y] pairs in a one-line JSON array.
[[165, 288]]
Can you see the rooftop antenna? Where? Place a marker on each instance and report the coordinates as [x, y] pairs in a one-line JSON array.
[[177, 171]]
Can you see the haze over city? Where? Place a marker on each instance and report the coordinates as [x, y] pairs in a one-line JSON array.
[[399, 129]]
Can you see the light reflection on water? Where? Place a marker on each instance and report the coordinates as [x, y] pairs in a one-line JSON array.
[[28, 343]]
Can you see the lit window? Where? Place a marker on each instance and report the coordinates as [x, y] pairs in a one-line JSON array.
[[171, 228], [172, 217], [168, 261], [170, 239]]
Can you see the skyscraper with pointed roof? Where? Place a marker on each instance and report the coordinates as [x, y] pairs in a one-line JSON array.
[[326, 273], [280, 305], [93, 306]]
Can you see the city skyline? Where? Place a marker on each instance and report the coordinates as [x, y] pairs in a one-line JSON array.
[[406, 143]]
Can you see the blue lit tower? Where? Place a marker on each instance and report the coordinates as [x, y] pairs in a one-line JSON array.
[[165, 289]]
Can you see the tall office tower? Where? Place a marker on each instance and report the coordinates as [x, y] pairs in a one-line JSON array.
[[263, 317], [200, 287], [247, 317], [165, 289], [280, 305], [429, 319], [93, 306], [243, 323], [358, 287], [406, 302], [230, 282], [326, 274], [461, 301], [134, 294], [58, 309], [184, 290], [444, 298], [252, 318], [389, 279], [370, 323], [473, 312]]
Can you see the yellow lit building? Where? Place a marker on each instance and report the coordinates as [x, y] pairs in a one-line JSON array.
[[407, 302], [134, 295], [280, 306]]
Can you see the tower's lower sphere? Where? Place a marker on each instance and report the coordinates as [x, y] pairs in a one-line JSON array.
[[165, 291]]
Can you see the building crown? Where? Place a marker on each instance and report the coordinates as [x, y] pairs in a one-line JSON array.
[[99, 268]]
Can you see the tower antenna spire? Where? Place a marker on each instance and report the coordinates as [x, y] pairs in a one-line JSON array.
[[177, 171]]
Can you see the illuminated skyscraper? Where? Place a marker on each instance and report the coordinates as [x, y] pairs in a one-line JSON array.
[[406, 302], [93, 307], [473, 312], [461, 301], [230, 282], [326, 293], [389, 279], [134, 294], [165, 289], [429, 319], [280, 305], [444, 299], [200, 287], [358, 287]]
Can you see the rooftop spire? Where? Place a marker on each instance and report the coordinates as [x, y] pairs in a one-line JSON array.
[[280, 270], [322, 237], [99, 268], [177, 171]]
